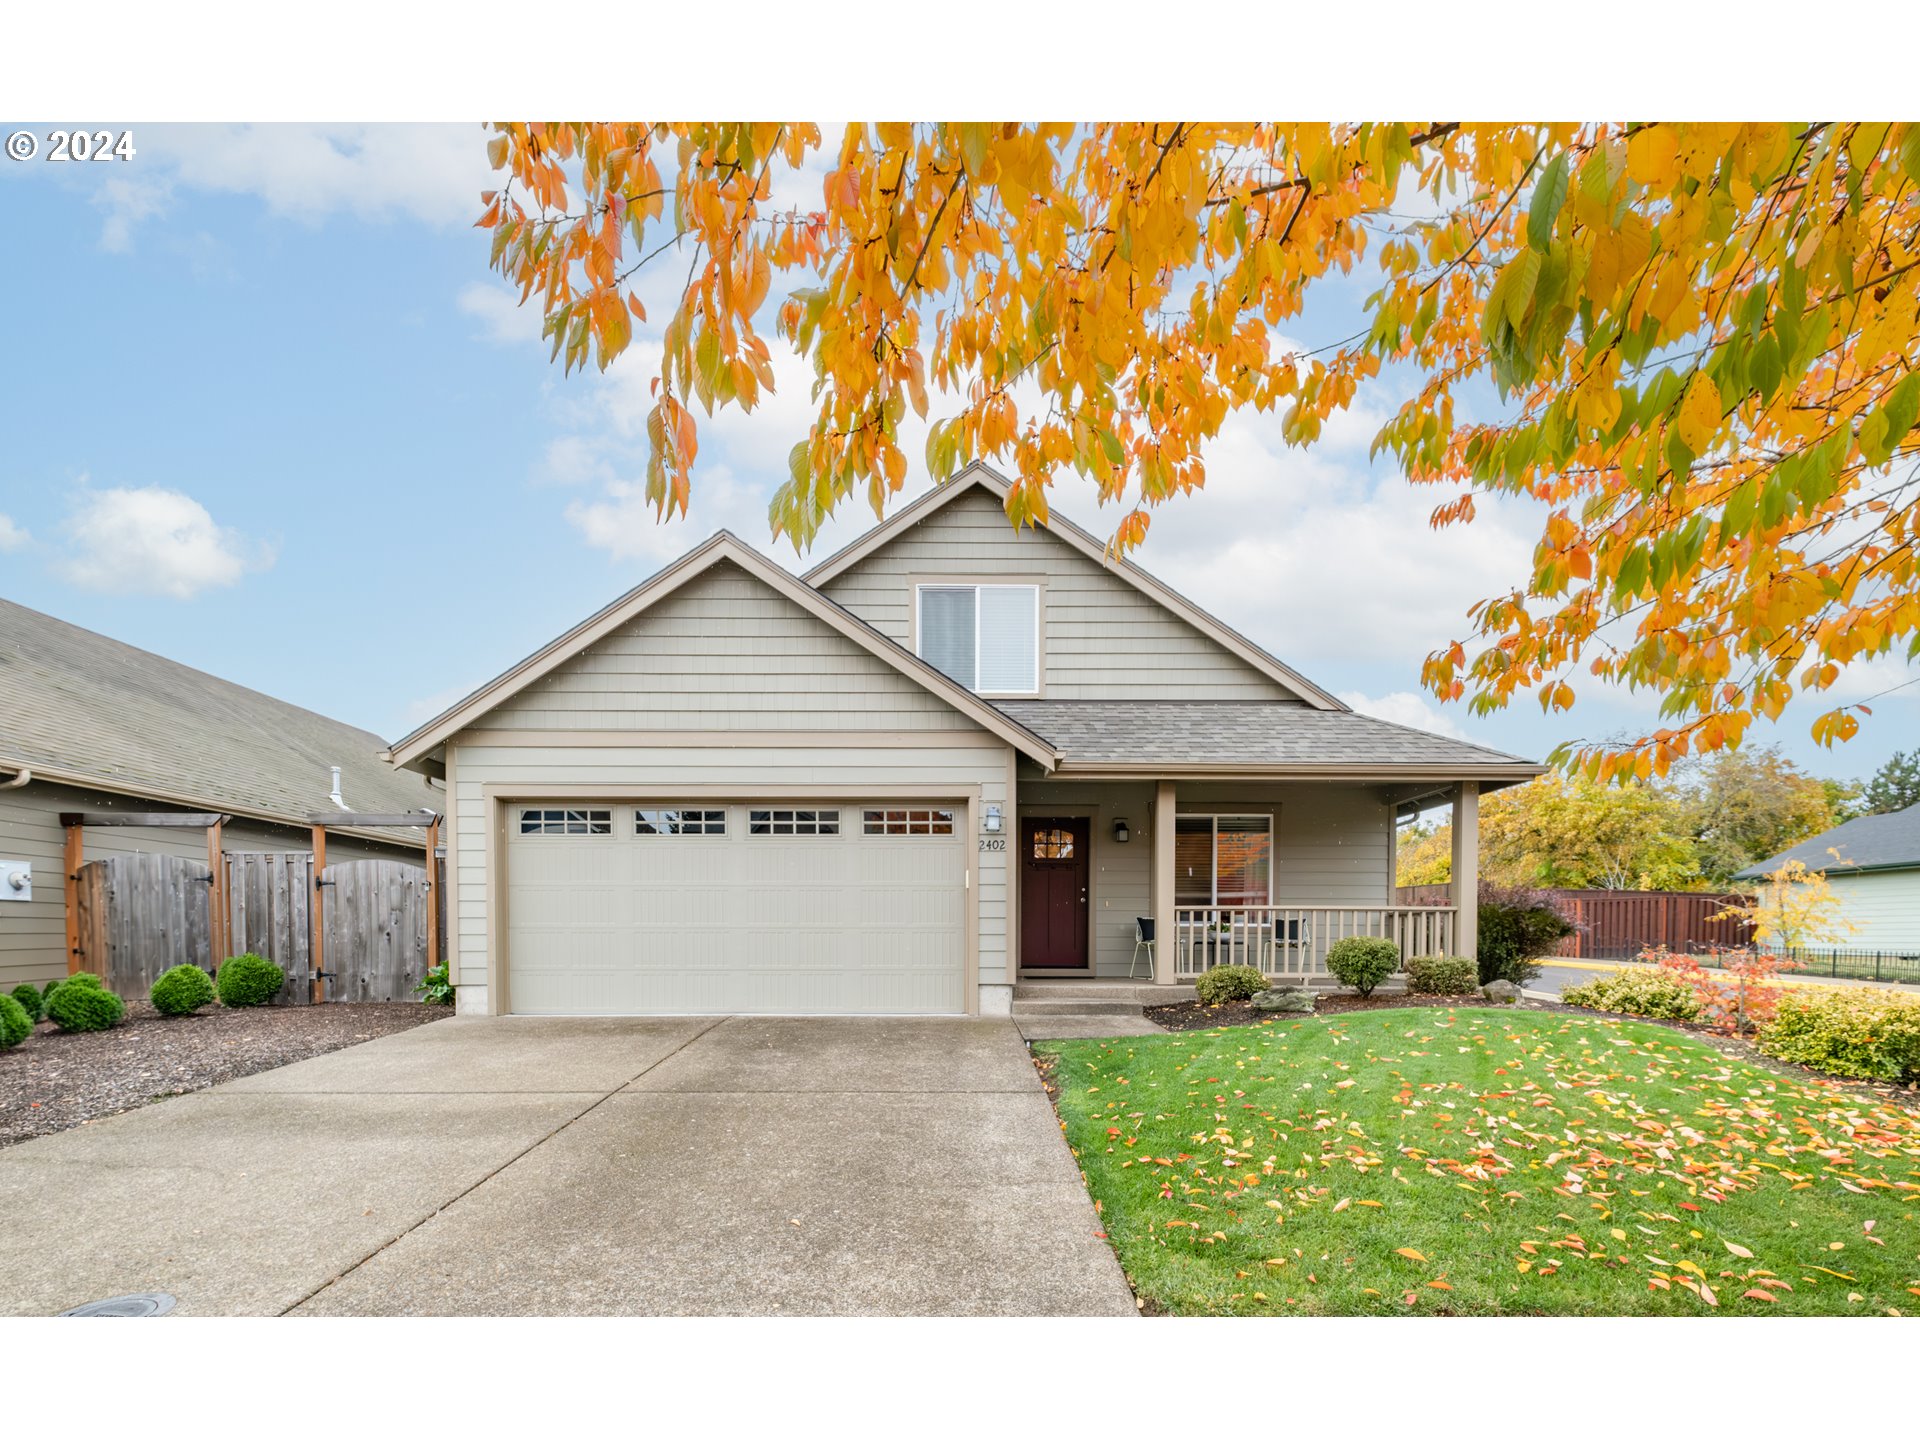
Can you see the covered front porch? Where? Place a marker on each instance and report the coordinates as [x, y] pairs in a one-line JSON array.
[[1132, 877]]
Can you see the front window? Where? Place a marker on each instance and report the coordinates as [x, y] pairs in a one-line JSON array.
[[985, 636], [1223, 860]]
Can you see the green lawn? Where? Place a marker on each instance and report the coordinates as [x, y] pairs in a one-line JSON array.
[[1487, 1162]]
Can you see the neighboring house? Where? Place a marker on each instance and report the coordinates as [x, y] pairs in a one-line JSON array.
[[1873, 865], [88, 724], [951, 756]]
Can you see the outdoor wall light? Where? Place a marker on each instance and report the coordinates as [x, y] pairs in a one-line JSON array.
[[1121, 834], [992, 823]]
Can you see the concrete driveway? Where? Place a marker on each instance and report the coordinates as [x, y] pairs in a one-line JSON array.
[[581, 1167]]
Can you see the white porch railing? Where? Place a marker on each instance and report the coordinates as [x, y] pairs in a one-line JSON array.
[[1292, 940]]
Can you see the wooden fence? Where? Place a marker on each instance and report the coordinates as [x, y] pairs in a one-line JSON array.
[[141, 913], [1618, 924]]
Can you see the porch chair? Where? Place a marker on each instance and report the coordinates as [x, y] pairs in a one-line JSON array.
[[1142, 940], [1285, 935]]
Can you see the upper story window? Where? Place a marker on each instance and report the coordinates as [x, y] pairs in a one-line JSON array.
[[985, 636]]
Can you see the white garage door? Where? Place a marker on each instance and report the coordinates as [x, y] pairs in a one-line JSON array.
[[774, 908]]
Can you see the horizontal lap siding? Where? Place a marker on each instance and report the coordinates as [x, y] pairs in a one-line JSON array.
[[876, 770], [1884, 904], [33, 940], [726, 652], [1105, 640]]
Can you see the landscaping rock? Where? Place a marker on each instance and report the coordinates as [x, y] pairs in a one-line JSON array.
[[1284, 1001], [1504, 992]]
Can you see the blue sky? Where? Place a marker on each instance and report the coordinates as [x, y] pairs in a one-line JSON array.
[[267, 413]]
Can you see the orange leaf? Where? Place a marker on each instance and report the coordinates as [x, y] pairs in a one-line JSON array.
[[1411, 1253]]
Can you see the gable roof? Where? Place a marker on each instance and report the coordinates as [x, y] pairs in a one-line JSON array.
[[1872, 842], [720, 547], [79, 708], [982, 476], [1251, 736]]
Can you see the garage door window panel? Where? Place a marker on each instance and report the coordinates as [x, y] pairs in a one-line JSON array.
[[566, 822], [680, 822], [906, 822], [793, 822]]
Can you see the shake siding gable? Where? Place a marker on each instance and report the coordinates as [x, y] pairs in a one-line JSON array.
[[725, 652], [1103, 639]]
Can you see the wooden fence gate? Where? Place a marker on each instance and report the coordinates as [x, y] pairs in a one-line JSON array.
[[142, 914], [270, 901]]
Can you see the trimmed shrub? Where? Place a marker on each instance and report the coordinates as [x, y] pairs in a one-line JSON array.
[[1443, 974], [1861, 1034], [30, 1000], [1517, 926], [85, 977], [15, 1023], [85, 1007], [1646, 990], [1362, 962], [182, 990], [248, 980], [435, 987], [1226, 983]]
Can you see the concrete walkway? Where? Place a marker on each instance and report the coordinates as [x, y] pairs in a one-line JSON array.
[[581, 1167]]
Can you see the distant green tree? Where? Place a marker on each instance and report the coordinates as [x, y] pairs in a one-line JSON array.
[[1744, 805], [1895, 785]]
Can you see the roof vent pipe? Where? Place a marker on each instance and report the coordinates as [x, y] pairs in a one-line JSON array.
[[334, 795]]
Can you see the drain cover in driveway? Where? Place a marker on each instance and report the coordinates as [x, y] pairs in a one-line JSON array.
[[124, 1305]]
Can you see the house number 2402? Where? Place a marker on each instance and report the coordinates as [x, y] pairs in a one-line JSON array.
[[997, 842]]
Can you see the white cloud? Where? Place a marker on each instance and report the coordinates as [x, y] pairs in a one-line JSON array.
[[12, 536], [429, 173], [128, 202], [154, 541], [505, 320], [1404, 707]]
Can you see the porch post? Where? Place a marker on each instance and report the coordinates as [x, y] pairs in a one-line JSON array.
[[1466, 868], [1164, 927]]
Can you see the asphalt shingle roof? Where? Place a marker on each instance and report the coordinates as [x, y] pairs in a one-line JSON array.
[[1872, 841], [78, 702], [1225, 732]]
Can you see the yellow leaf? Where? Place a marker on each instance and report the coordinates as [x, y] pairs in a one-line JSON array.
[[1411, 1253], [1699, 416]]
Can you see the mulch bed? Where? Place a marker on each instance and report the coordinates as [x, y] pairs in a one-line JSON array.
[[54, 1081], [1194, 1016]]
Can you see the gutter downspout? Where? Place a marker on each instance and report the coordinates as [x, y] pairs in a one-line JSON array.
[[23, 776]]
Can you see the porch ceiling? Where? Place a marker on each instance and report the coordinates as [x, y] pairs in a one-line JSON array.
[[1173, 737]]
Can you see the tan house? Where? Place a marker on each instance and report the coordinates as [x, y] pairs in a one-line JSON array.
[[952, 757]]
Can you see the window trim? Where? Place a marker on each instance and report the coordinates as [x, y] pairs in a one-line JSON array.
[[1213, 859], [1036, 583]]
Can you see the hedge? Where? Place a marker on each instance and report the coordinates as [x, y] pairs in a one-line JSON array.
[[1861, 1034]]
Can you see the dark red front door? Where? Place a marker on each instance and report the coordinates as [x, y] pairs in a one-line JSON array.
[[1053, 893]]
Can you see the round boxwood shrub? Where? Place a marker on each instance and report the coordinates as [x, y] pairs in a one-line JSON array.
[[15, 1023], [79, 1006], [30, 1000], [1224, 984], [182, 990], [1362, 961], [1443, 974], [248, 980]]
